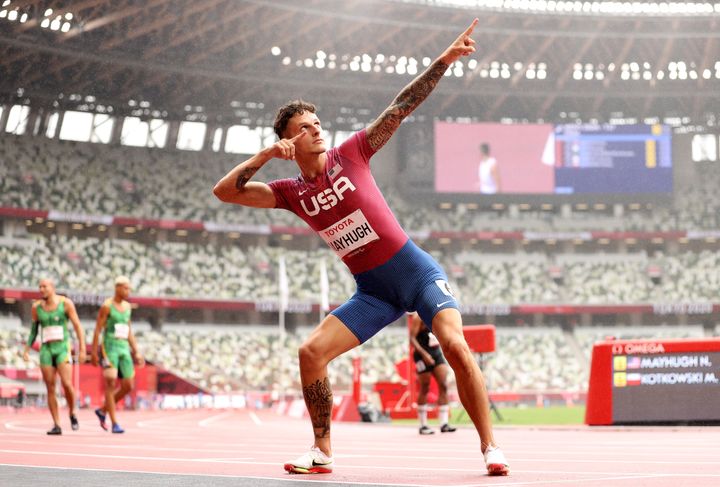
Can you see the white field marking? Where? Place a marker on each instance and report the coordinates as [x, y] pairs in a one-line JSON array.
[[254, 450], [564, 481], [122, 457], [301, 479], [373, 467], [169, 417], [126, 446], [255, 418], [212, 419], [11, 425], [281, 477], [146, 447]]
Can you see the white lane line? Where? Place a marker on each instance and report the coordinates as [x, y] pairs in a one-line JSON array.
[[493, 483], [205, 422], [167, 417], [254, 450], [565, 481], [430, 468], [255, 418], [283, 478], [12, 425]]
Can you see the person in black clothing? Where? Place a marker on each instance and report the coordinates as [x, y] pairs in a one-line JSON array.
[[429, 360]]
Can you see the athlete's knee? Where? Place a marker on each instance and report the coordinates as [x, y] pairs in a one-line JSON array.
[[310, 352], [127, 385], [457, 352]]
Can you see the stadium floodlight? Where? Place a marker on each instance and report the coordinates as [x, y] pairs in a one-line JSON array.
[[575, 7]]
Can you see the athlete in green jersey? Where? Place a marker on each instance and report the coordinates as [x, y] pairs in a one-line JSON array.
[[118, 349], [50, 316]]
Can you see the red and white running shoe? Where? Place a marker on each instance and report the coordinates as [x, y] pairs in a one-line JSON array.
[[314, 461], [496, 462]]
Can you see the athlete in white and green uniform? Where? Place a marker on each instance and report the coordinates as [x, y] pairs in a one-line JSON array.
[[50, 317], [118, 349]]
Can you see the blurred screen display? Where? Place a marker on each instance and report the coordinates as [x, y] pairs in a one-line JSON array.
[[492, 158]]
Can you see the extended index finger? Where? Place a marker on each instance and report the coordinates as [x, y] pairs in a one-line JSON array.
[[470, 29], [298, 136]]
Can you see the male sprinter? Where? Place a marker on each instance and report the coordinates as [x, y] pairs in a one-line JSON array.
[[429, 360], [336, 195], [50, 314], [118, 349]]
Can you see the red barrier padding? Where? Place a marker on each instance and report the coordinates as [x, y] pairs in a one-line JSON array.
[[480, 338]]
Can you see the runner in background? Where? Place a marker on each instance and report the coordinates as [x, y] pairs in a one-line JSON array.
[[118, 349], [50, 316], [429, 362]]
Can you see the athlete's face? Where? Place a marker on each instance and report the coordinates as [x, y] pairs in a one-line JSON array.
[[122, 291], [313, 142], [47, 289]]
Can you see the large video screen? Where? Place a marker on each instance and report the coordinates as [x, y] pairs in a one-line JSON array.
[[491, 158], [666, 387]]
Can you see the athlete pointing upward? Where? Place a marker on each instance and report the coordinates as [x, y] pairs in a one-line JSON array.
[[336, 195]]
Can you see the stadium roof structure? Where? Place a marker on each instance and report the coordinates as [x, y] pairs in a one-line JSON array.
[[226, 60]]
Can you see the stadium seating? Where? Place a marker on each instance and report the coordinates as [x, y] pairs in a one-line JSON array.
[[165, 184]]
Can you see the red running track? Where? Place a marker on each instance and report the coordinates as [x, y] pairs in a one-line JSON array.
[[246, 444]]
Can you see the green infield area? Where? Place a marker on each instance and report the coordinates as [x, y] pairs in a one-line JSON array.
[[554, 415]]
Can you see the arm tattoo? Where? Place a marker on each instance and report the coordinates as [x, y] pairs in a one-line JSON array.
[[244, 177], [319, 401], [404, 103]]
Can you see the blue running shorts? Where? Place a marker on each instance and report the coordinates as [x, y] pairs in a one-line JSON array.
[[410, 281]]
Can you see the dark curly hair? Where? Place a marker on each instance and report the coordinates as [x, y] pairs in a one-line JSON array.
[[288, 111]]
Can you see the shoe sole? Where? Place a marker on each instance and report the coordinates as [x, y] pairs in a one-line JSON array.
[[497, 469], [290, 468], [102, 422]]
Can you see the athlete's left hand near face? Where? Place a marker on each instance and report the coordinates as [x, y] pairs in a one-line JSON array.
[[285, 148]]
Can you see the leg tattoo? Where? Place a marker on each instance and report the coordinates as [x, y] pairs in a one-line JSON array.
[[319, 400]]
